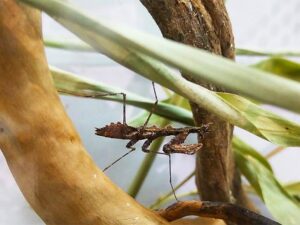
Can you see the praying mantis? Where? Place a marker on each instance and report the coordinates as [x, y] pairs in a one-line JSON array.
[[148, 134]]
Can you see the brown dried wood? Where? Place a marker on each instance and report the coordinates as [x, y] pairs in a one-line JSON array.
[[217, 210], [205, 24], [43, 151]]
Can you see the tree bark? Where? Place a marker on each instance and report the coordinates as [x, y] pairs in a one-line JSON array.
[[44, 153], [206, 25]]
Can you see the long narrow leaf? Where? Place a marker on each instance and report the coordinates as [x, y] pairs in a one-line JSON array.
[[270, 126], [280, 203], [197, 63], [293, 189], [67, 45], [238, 144], [280, 66], [78, 86], [72, 46], [161, 74], [250, 52], [156, 71]]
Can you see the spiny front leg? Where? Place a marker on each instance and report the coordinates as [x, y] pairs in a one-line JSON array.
[[131, 143], [176, 145], [145, 146]]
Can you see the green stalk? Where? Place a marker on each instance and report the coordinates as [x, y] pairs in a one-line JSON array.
[[68, 83], [249, 52], [147, 163], [66, 45], [132, 59], [72, 46], [145, 167], [139, 57]]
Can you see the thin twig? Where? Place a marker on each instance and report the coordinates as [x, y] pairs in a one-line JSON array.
[[274, 152], [146, 165]]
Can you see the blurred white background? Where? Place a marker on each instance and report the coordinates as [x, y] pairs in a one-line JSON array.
[[268, 25]]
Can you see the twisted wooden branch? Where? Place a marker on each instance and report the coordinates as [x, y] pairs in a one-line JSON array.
[[205, 24], [44, 152], [216, 210]]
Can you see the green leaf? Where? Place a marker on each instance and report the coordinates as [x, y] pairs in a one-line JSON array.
[[269, 125], [262, 122], [248, 150], [69, 83], [293, 188], [199, 64], [140, 119], [67, 45], [75, 46], [250, 52], [281, 67], [154, 70], [279, 202]]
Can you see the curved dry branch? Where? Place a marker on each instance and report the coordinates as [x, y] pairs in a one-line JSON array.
[[44, 153], [216, 210]]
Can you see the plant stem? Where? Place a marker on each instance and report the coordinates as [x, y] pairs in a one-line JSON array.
[[249, 52], [274, 152], [72, 46], [145, 167], [67, 45]]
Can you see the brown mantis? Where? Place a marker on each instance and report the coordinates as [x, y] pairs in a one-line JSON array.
[[149, 134]]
